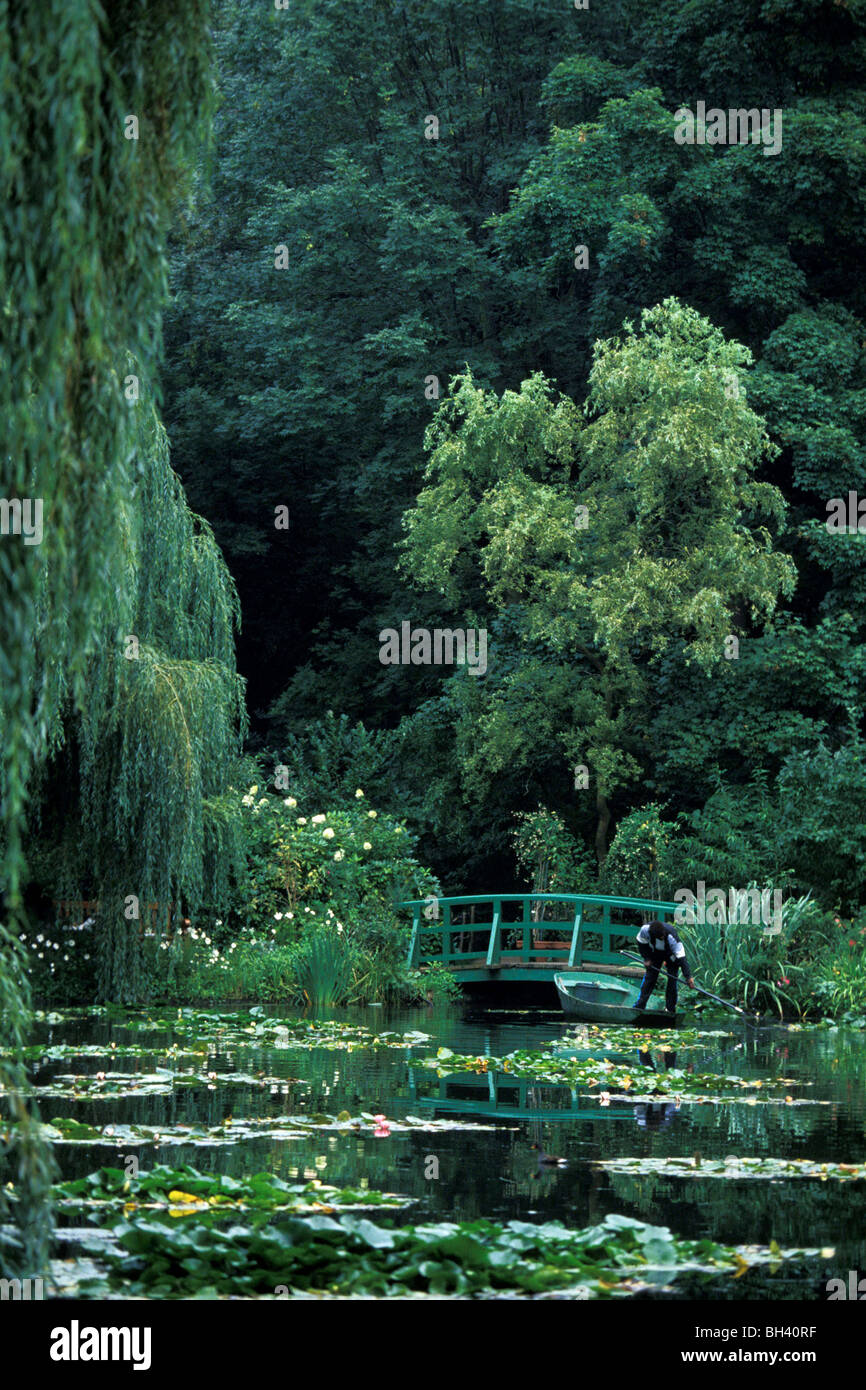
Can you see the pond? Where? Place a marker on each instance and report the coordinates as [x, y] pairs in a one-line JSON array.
[[241, 1095]]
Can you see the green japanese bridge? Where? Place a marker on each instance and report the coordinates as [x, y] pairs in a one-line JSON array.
[[524, 938]]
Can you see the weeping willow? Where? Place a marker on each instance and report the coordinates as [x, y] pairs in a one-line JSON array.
[[84, 214], [160, 736]]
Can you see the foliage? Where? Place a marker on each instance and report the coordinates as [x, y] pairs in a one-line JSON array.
[[544, 845], [186, 1191], [637, 862], [636, 1082], [352, 1255], [82, 233], [838, 969], [494, 529], [759, 966], [735, 1168]]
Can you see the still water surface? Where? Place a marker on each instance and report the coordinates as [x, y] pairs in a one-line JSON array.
[[496, 1172]]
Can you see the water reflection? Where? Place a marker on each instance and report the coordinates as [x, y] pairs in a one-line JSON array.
[[501, 1171]]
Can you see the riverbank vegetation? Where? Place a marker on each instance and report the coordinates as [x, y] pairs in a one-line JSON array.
[[473, 343]]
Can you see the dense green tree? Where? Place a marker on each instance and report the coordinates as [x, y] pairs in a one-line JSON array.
[[83, 221], [608, 544], [411, 257]]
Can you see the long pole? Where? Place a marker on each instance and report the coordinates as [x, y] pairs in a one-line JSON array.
[[715, 997]]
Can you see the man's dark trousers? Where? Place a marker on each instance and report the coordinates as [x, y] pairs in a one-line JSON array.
[[648, 983]]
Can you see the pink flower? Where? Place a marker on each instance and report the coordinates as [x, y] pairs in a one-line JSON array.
[[784, 980], [382, 1130]]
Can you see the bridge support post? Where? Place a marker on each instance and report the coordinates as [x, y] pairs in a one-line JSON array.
[[494, 950], [415, 939], [573, 955], [446, 933]]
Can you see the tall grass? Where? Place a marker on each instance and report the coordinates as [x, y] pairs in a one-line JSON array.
[[323, 968], [743, 961]]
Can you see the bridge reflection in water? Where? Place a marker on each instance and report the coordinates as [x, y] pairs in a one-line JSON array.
[[501, 1095]]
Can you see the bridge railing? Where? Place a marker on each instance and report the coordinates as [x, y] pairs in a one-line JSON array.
[[514, 933]]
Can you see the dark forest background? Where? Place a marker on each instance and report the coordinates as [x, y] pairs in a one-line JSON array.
[[410, 257]]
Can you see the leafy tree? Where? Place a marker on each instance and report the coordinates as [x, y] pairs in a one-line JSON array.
[[675, 547], [83, 221]]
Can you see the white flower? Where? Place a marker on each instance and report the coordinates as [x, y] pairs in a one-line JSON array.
[[358, 794], [218, 922], [264, 801], [254, 791], [290, 801], [278, 917], [339, 929], [246, 801], [328, 834], [317, 820], [66, 958], [290, 915], [339, 855], [302, 820], [367, 845], [372, 815], [40, 955], [40, 938]]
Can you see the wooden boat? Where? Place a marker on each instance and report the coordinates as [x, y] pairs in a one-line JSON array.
[[606, 999]]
